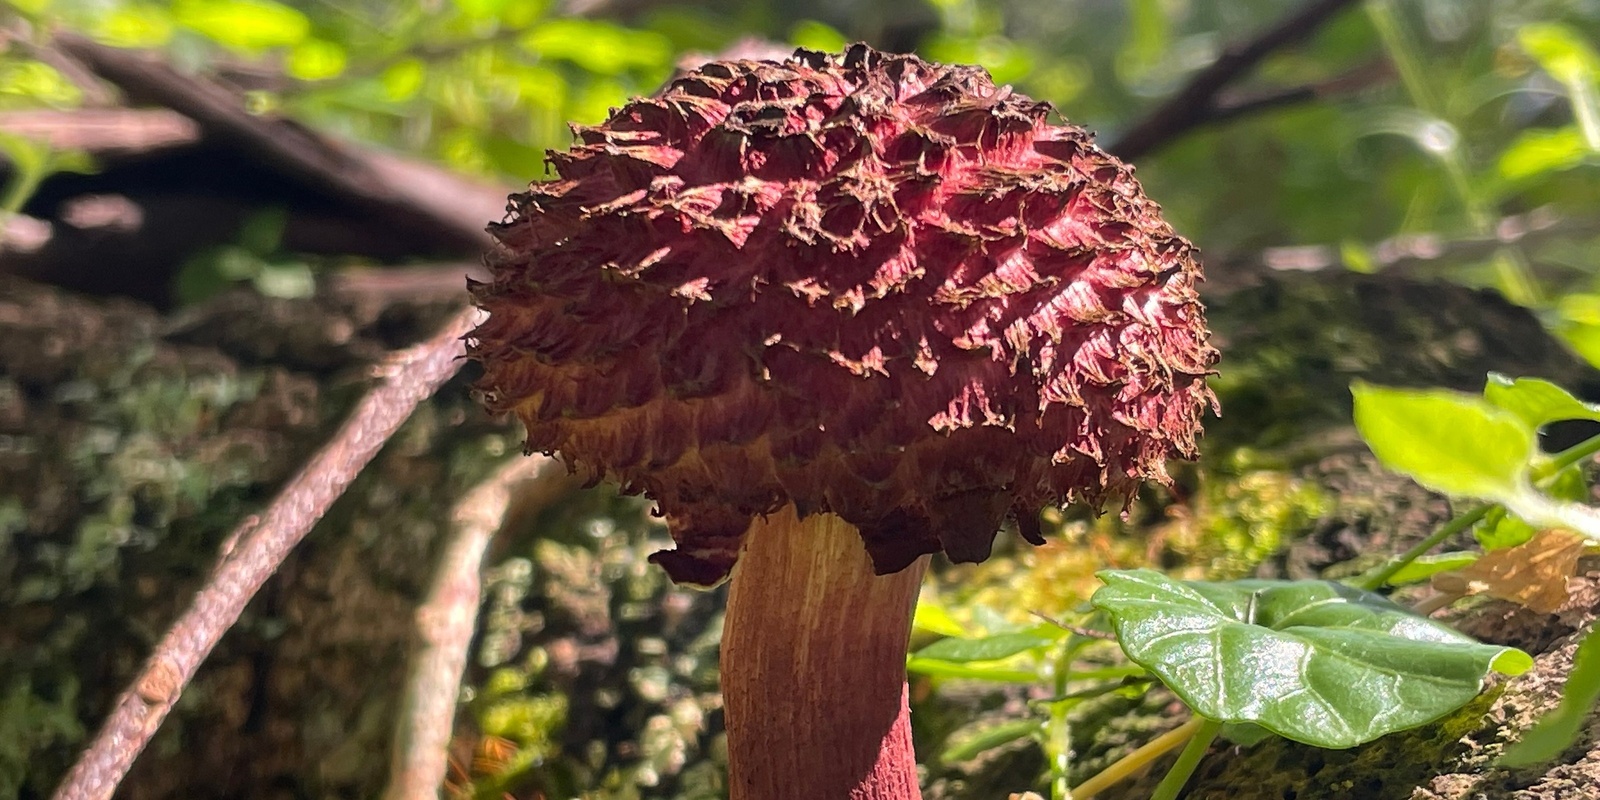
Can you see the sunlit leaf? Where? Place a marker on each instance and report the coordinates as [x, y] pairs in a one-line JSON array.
[[1564, 53], [1447, 441], [1500, 530], [599, 47], [817, 36], [403, 80], [1540, 151], [134, 25], [35, 83], [1537, 402], [965, 745], [993, 673], [1425, 567], [933, 617], [249, 25], [1314, 661], [1560, 50], [987, 648], [316, 60]]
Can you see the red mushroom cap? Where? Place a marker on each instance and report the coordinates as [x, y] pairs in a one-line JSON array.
[[867, 285]]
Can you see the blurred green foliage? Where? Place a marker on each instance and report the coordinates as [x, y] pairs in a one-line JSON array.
[[1430, 117]]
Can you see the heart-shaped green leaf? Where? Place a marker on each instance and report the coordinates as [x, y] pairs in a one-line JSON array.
[[1535, 401], [1447, 441], [1313, 661]]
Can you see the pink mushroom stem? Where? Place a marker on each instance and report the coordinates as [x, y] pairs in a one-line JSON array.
[[814, 666]]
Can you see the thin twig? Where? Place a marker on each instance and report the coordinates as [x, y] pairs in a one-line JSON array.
[[256, 550], [1190, 105], [445, 625], [1234, 106]]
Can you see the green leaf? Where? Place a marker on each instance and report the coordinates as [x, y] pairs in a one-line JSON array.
[[1425, 567], [987, 648], [972, 745], [134, 25], [1563, 52], [248, 25], [600, 47], [1560, 50], [1538, 152], [932, 616], [403, 80], [816, 35], [1559, 729], [1450, 442], [1313, 661], [1501, 530], [993, 673], [1537, 402], [1244, 734], [316, 60]]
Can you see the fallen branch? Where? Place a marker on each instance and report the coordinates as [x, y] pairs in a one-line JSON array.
[[1190, 106], [255, 550], [411, 194], [445, 624]]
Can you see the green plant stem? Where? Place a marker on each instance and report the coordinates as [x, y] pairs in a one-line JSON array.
[[1553, 467], [1570, 456], [1138, 759], [1453, 527], [1204, 734]]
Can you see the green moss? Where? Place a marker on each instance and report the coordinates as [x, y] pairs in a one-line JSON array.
[[1239, 521]]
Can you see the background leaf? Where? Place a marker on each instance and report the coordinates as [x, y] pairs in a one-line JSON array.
[[1537, 402], [1450, 442], [988, 648]]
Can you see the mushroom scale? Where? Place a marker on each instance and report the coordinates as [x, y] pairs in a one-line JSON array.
[[865, 284]]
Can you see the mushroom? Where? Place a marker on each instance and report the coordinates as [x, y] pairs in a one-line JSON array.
[[832, 315]]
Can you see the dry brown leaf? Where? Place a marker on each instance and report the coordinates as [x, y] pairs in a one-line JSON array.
[[1533, 574]]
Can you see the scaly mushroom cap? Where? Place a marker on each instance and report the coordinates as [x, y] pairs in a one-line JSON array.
[[868, 285]]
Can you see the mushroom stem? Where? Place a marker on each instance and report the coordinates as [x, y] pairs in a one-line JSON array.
[[814, 666]]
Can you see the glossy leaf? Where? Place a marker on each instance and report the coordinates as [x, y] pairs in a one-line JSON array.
[[1314, 661]]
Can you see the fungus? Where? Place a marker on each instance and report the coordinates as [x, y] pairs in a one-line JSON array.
[[833, 315]]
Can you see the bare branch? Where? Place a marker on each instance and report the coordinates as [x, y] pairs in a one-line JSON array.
[[1189, 107], [255, 550], [1233, 106], [1408, 255], [446, 622]]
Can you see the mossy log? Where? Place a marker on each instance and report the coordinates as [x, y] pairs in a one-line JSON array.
[[131, 443]]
